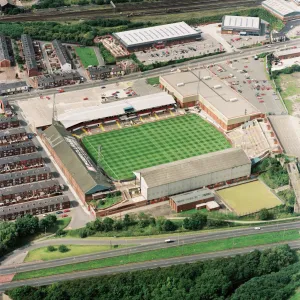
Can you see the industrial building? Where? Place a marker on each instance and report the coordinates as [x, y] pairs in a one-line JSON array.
[[284, 10], [220, 102], [241, 25], [289, 53], [76, 165], [29, 55], [36, 207], [208, 170], [157, 36], [6, 53], [63, 56], [190, 200]]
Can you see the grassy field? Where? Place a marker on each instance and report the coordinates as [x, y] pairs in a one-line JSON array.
[[290, 89], [153, 80], [87, 56], [74, 250], [134, 148], [108, 202], [249, 198], [190, 249]]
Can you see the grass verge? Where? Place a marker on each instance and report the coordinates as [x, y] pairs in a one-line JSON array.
[[198, 248], [74, 250], [153, 80]]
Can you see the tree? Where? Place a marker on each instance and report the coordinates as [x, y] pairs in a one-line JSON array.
[[108, 224], [195, 222], [63, 248], [168, 225], [264, 214], [27, 225], [60, 232], [50, 248]]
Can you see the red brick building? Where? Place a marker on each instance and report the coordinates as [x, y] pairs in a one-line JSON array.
[[189, 200], [29, 192], [14, 135], [8, 122], [22, 162], [40, 206], [25, 176], [17, 149]]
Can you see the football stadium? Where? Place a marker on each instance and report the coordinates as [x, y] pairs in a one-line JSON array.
[[122, 151]]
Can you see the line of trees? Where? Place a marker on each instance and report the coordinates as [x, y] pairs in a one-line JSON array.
[[12, 233], [238, 277]]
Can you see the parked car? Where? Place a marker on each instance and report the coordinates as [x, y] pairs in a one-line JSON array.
[[64, 215], [59, 212], [66, 210]]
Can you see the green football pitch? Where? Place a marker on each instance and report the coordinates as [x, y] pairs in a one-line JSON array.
[[126, 150]]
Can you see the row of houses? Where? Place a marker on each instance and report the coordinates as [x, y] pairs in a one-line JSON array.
[[26, 183]]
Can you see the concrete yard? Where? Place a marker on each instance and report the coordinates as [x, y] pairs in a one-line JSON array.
[[248, 198]]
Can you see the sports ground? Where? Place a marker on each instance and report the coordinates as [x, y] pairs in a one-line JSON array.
[[248, 198], [87, 56], [126, 150]]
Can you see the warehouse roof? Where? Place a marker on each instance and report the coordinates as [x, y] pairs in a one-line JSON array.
[[116, 108], [75, 160], [21, 207], [24, 173], [193, 196], [193, 167], [222, 97], [287, 52], [241, 22], [159, 33], [281, 7]]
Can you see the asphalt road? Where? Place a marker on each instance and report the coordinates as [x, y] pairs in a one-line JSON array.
[[152, 244], [138, 266], [160, 71]]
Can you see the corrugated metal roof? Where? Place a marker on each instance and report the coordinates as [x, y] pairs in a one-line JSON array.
[[193, 167], [157, 33], [193, 196], [282, 8], [116, 108], [241, 22], [75, 160]]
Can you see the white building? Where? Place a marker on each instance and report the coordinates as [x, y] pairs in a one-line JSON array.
[[193, 173]]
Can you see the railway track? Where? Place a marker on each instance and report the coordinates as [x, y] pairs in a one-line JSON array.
[[129, 10]]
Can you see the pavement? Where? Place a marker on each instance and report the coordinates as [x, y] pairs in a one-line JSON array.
[[99, 56], [144, 244], [139, 266]]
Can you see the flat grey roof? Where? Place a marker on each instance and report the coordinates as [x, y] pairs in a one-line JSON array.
[[193, 167], [281, 7], [28, 187], [5, 210], [287, 52], [193, 196], [159, 33], [20, 174], [240, 22], [188, 84]]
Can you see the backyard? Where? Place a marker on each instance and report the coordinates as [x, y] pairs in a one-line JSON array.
[[126, 150], [87, 56]]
